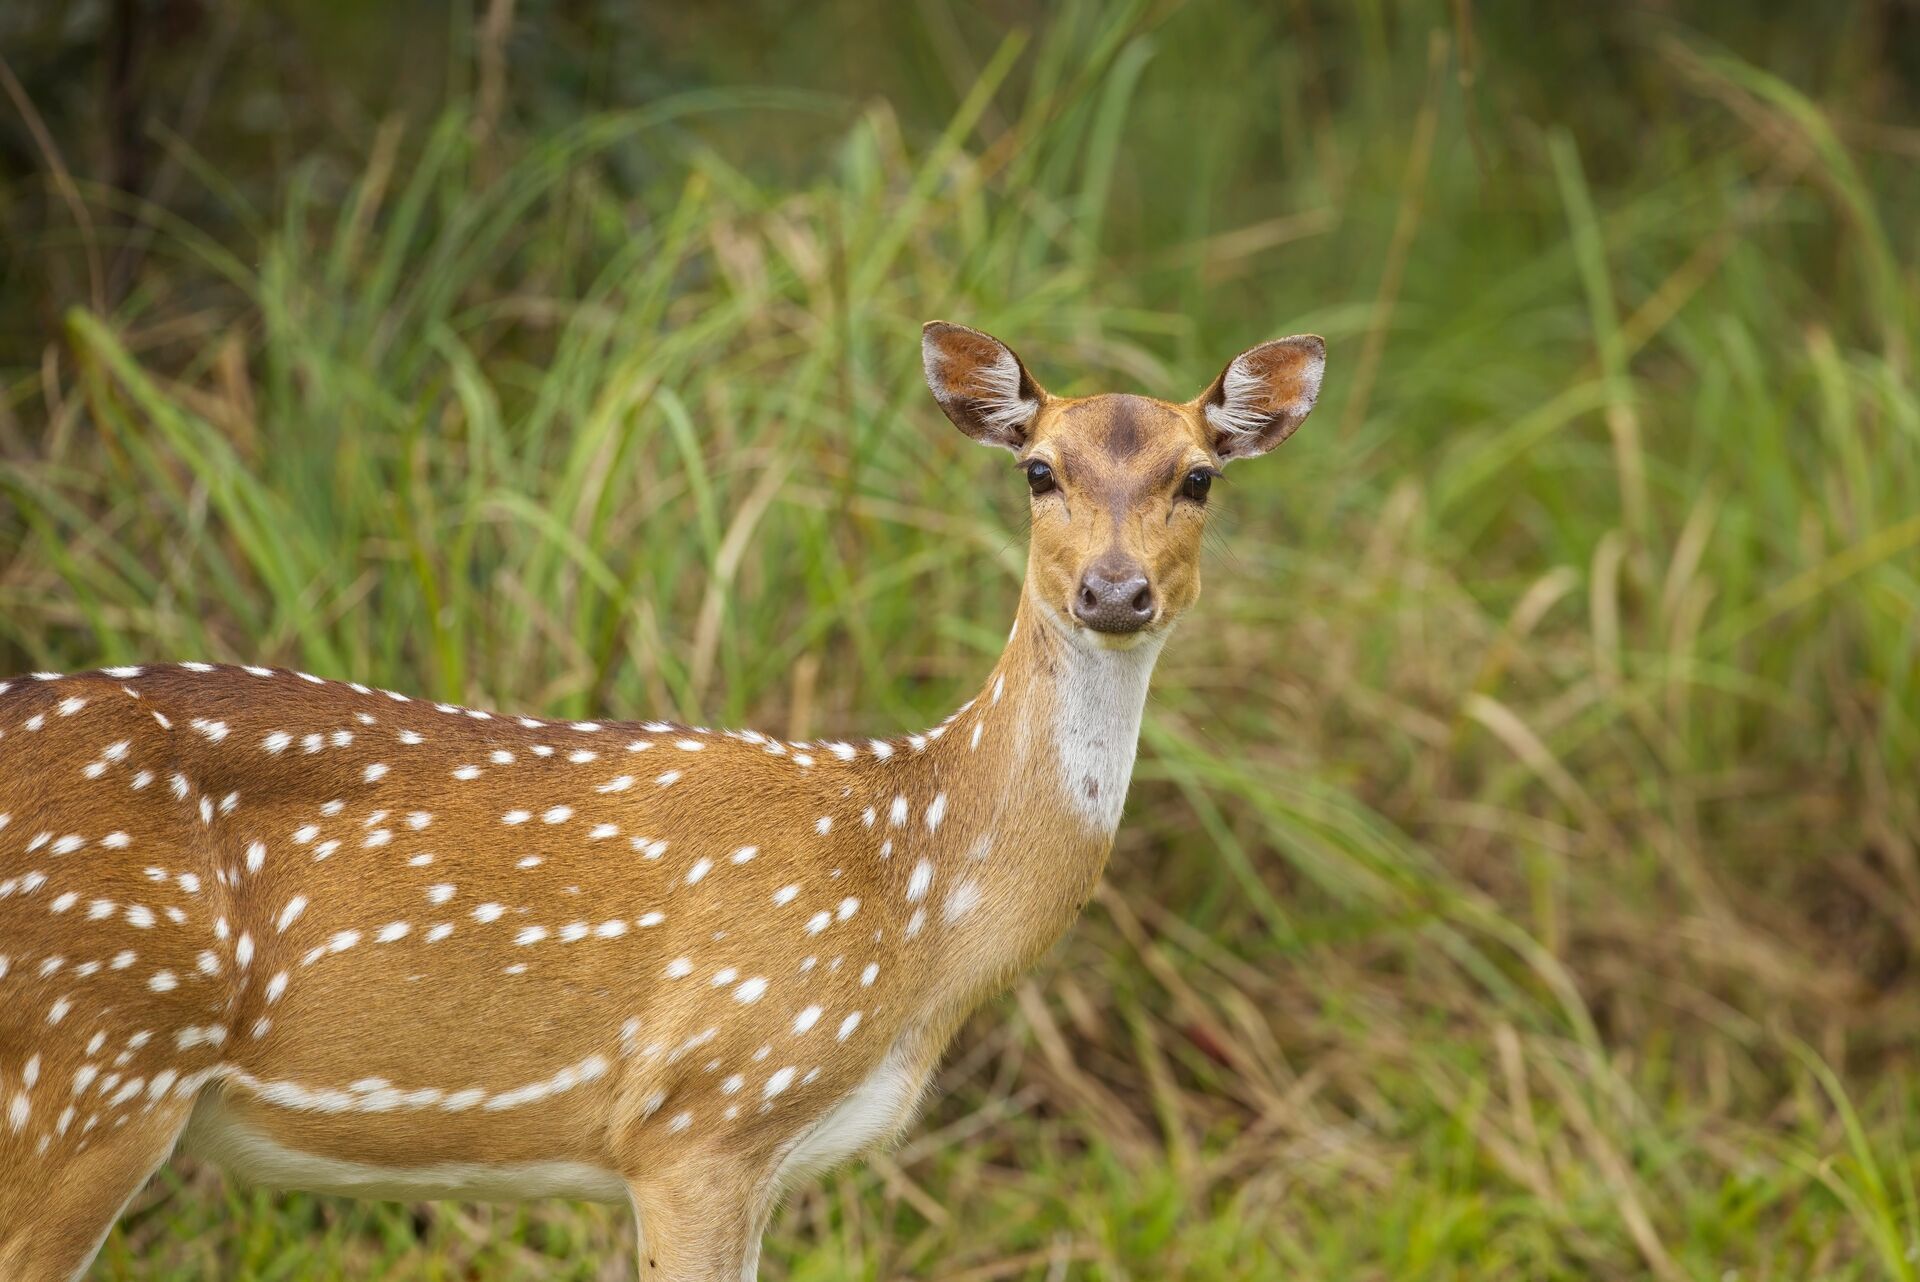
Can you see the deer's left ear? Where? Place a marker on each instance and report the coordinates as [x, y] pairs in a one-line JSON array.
[[1263, 394], [980, 384]]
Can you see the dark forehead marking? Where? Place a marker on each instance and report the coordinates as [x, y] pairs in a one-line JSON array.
[[1123, 429], [1120, 423]]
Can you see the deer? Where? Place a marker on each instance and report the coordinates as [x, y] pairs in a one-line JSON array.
[[331, 937]]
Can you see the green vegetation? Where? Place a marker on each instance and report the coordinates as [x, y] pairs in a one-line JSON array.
[[1523, 868]]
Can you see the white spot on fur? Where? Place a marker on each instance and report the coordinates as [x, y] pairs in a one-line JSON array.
[[918, 883], [961, 900]]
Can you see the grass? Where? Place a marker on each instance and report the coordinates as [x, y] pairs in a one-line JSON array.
[[1521, 874]]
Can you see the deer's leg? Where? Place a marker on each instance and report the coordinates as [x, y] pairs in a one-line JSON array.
[[700, 1226], [57, 1205]]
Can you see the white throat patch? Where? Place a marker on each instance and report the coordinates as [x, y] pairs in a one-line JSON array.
[[1102, 695]]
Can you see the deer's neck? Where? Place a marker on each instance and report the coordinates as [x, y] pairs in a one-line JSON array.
[[1036, 767]]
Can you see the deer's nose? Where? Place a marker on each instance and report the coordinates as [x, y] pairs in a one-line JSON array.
[[1114, 596]]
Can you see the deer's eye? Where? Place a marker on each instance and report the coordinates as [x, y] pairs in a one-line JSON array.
[[1196, 485], [1040, 477]]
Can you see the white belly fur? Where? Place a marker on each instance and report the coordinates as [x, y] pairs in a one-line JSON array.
[[216, 1135], [873, 1112]]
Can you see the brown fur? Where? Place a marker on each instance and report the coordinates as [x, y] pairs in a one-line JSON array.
[[183, 814]]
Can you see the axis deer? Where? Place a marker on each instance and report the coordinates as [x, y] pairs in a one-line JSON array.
[[334, 938]]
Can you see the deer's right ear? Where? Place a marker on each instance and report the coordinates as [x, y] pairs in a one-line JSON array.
[[980, 384]]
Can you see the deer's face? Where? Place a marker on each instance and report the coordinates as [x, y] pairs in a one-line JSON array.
[[1119, 484]]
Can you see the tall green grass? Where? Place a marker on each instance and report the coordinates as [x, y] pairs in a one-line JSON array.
[[1520, 879]]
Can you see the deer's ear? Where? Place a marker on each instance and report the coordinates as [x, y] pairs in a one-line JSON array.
[[1263, 394], [980, 384]]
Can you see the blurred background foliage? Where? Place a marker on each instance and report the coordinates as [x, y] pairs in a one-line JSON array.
[[1522, 874]]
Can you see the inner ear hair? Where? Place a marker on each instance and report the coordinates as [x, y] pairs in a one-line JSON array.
[[980, 383]]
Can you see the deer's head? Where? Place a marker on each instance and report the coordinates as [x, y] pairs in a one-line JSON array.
[[1119, 483]]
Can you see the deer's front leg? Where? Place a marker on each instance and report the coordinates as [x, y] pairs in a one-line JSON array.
[[701, 1221], [58, 1203]]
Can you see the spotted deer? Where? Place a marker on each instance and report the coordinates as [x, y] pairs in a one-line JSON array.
[[334, 938]]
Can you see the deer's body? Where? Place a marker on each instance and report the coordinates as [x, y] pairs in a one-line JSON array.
[[340, 939]]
